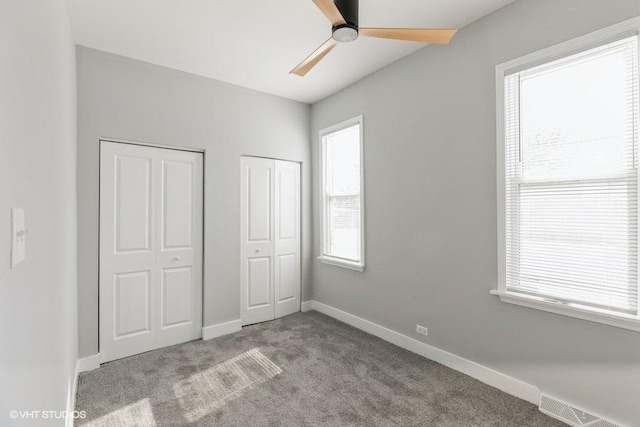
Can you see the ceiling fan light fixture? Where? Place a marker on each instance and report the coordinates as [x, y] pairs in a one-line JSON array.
[[343, 15], [345, 33]]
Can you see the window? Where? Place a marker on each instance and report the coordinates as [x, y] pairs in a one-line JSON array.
[[342, 195], [568, 179]]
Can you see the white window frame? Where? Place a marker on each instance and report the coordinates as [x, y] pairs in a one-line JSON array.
[[601, 37], [324, 258]]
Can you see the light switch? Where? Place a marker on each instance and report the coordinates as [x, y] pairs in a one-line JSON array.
[[18, 237]]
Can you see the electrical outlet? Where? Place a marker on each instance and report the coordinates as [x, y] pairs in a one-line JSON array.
[[422, 330]]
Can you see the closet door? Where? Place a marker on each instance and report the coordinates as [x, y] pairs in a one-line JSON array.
[[128, 277], [179, 254], [256, 246], [287, 238], [150, 248], [270, 239]]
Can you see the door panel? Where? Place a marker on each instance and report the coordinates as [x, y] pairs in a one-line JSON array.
[[150, 248], [287, 277], [176, 296], [259, 281], [177, 206], [259, 202], [286, 212], [256, 210], [133, 204], [287, 242], [132, 303]]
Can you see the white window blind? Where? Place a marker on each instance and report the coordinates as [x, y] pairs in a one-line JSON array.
[[342, 187], [571, 185]]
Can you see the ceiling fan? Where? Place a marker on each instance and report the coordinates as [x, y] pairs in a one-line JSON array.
[[343, 15]]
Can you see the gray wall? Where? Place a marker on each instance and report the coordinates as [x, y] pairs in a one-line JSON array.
[[430, 176], [127, 99], [37, 172]]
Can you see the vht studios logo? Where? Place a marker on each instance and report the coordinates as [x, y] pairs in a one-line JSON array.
[[46, 415]]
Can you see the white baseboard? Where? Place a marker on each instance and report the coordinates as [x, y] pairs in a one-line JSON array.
[[488, 376], [89, 363], [82, 365], [214, 331], [71, 398], [306, 306]]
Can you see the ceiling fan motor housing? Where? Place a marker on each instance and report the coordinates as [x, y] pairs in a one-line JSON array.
[[347, 32]]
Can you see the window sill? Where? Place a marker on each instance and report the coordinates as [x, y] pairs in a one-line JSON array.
[[618, 320], [341, 263]]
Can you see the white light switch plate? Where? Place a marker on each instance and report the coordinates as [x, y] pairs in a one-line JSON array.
[[18, 237]]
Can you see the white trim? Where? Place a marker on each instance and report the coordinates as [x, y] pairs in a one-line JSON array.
[[306, 306], [82, 365], [496, 379], [552, 53], [501, 180], [327, 259], [272, 158], [89, 363], [341, 263], [619, 320], [571, 46], [71, 399], [226, 328], [154, 145]]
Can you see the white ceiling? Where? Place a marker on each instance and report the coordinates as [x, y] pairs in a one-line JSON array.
[[255, 43]]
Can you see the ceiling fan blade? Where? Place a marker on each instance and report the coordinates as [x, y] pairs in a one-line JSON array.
[[331, 11], [305, 66], [425, 35]]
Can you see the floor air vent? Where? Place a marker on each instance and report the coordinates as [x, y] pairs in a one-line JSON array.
[[570, 415]]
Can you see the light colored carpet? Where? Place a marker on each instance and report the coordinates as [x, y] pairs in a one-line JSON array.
[[302, 370]]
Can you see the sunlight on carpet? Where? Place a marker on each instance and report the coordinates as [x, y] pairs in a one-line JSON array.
[[136, 414], [208, 391]]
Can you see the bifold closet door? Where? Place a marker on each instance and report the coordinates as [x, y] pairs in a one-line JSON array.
[[270, 239], [257, 247], [150, 248], [287, 262]]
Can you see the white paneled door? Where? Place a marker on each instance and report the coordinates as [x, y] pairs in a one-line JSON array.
[[287, 238], [270, 239], [150, 248]]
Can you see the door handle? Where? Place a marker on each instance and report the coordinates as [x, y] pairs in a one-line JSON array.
[[177, 258], [257, 250]]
